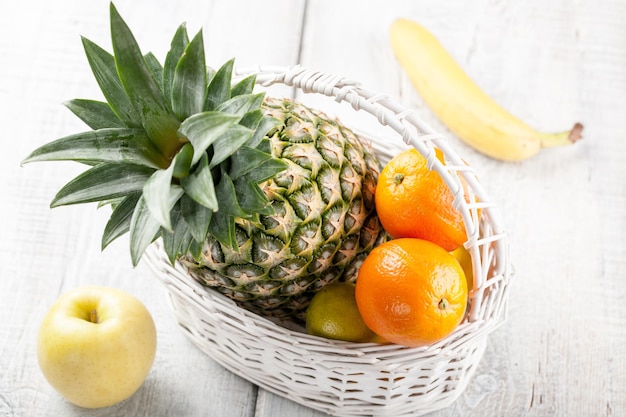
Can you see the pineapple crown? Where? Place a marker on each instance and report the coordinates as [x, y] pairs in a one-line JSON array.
[[177, 150]]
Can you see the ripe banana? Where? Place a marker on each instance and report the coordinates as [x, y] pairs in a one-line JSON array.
[[461, 105]]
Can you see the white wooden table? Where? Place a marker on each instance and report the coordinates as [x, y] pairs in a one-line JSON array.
[[552, 62]]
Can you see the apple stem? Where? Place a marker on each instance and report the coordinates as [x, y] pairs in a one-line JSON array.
[[93, 316]]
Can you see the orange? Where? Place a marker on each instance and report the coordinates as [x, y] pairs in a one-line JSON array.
[[413, 201], [411, 292]]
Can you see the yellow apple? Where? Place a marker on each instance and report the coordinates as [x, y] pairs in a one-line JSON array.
[[96, 346]]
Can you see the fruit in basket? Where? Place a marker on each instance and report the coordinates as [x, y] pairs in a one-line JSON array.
[[263, 199], [465, 260], [460, 103], [414, 201], [333, 314], [96, 346], [411, 292]]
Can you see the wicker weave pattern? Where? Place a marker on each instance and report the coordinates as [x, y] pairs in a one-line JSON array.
[[342, 378]]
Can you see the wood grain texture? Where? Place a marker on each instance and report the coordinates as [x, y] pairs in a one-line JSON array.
[[561, 353]]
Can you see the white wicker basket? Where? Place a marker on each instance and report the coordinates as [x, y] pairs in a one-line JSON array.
[[350, 379]]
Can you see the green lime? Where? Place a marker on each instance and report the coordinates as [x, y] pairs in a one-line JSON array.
[[333, 314]]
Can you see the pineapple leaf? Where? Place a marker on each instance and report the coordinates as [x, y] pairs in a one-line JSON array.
[[222, 227], [144, 228], [158, 193], [227, 193], [252, 119], [155, 67], [246, 159], [103, 182], [203, 129], [195, 249], [245, 86], [102, 65], [266, 125], [112, 202], [182, 162], [222, 223], [177, 48], [265, 145], [177, 241], [219, 87], [119, 222], [210, 73], [190, 84], [251, 198], [199, 185], [242, 104], [228, 143], [197, 217], [95, 114], [142, 90], [105, 145], [266, 170]]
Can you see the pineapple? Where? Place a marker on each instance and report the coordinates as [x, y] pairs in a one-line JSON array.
[[263, 199]]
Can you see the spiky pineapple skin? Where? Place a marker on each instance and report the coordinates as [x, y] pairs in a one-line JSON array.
[[324, 224]]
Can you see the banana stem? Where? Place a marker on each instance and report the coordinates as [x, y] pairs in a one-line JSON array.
[[550, 140]]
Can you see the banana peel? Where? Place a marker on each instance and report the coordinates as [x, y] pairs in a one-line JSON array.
[[461, 105]]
